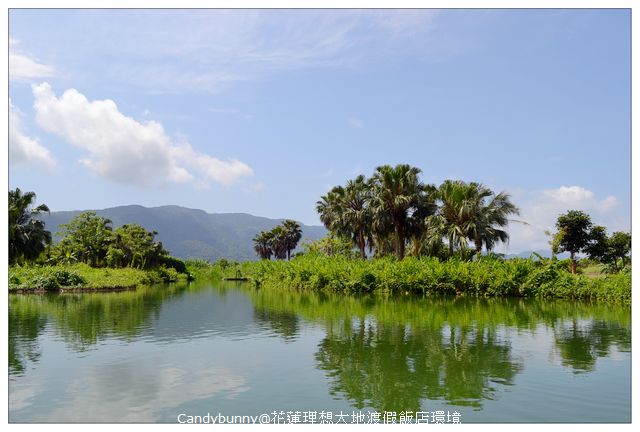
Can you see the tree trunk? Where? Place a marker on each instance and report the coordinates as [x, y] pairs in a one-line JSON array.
[[361, 244], [399, 241], [478, 243], [574, 264]]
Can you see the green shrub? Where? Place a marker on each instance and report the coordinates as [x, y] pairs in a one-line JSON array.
[[487, 276]]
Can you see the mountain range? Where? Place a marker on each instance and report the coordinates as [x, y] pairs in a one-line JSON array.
[[191, 233]]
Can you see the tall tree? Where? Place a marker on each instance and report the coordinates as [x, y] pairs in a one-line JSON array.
[[471, 212], [398, 196], [345, 211], [574, 234], [27, 236], [262, 244], [292, 234], [455, 217], [491, 216]]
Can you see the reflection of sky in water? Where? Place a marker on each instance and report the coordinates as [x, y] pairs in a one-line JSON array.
[[205, 352]]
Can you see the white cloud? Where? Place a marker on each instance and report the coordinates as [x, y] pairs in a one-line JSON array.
[[541, 209], [22, 67], [356, 123], [124, 150], [24, 149]]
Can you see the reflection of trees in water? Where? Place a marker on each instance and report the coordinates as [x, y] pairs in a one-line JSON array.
[[394, 367], [80, 319], [285, 324], [25, 325], [391, 353], [580, 343]]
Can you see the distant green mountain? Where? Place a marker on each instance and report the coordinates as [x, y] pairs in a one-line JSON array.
[[191, 233]]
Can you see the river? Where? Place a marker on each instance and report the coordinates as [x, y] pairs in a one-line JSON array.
[[168, 353]]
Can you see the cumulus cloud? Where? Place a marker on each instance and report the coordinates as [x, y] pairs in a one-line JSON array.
[[124, 150], [24, 149], [541, 209], [23, 67]]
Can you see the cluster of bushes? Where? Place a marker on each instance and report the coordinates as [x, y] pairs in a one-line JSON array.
[[53, 278], [43, 278], [487, 276]]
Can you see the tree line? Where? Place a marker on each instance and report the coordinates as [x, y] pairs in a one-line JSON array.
[[87, 238], [394, 210]]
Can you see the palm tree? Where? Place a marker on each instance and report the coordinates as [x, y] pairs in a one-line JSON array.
[[263, 244], [398, 197], [492, 216], [278, 242], [471, 212], [293, 234], [345, 211], [357, 212], [27, 236]]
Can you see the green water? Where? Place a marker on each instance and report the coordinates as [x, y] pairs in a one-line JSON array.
[[156, 353]]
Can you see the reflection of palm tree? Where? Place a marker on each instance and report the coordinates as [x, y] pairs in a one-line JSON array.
[[27, 236], [393, 367], [284, 324]]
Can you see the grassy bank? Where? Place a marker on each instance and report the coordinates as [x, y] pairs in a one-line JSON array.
[[84, 277], [429, 276]]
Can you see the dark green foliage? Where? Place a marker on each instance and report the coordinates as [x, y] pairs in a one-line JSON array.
[[27, 235], [173, 263]]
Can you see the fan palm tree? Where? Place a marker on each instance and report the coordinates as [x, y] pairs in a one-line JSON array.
[[471, 212], [345, 211], [27, 236], [292, 234], [398, 198], [262, 244], [491, 217]]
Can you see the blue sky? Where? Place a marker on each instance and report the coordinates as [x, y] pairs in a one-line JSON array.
[[263, 111]]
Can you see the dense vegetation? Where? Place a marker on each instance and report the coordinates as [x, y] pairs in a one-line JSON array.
[[124, 257], [487, 276], [443, 230]]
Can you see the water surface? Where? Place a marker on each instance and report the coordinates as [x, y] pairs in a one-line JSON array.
[[155, 353]]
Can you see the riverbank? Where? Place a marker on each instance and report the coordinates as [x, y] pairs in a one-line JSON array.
[[81, 278], [428, 276]]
